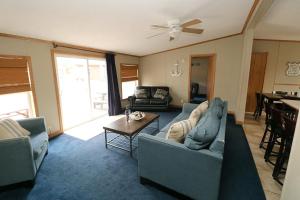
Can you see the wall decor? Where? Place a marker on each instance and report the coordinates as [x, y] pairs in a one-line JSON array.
[[293, 69], [177, 69]]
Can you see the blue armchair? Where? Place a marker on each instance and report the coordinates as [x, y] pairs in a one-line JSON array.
[[21, 157]]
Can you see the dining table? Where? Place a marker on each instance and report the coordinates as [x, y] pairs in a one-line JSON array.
[[292, 104], [273, 97]]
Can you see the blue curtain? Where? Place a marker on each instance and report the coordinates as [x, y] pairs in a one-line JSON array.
[[114, 102]]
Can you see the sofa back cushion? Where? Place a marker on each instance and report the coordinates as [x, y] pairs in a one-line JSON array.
[[204, 133], [11, 129], [142, 93]]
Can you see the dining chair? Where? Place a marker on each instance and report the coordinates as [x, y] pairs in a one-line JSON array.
[[288, 124], [267, 131], [275, 136], [259, 105]]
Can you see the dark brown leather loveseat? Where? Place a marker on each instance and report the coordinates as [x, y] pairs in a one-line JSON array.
[[149, 102]]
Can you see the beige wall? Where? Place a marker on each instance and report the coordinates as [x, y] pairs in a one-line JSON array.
[[279, 53], [40, 53], [42, 73], [156, 69], [199, 72]]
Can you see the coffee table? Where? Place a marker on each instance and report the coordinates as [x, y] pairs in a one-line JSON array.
[[128, 129]]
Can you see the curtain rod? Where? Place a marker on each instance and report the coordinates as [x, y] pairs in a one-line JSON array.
[[56, 45]]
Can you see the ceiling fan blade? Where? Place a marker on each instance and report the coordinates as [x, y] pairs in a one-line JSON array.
[[192, 30], [190, 23], [151, 36], [158, 26]]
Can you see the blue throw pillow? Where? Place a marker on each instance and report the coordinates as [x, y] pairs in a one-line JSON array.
[[204, 133], [216, 102], [217, 111]]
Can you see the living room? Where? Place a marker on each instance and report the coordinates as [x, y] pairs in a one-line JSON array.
[[149, 45]]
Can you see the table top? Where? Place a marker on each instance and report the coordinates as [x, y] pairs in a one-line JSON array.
[[272, 96], [279, 97], [292, 103], [132, 127]]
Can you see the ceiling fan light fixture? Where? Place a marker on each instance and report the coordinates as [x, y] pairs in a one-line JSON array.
[[175, 28]]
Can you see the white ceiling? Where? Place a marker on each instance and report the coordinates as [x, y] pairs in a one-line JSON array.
[[282, 21], [120, 25]]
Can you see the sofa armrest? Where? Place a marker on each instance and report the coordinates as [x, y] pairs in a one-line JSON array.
[[189, 107], [17, 162], [193, 173], [168, 99], [34, 125], [131, 100]]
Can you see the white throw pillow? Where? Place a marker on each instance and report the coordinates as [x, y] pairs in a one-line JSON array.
[[11, 129], [198, 112], [179, 130], [160, 93]]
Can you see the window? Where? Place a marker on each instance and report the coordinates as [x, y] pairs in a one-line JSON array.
[[129, 79], [16, 89]]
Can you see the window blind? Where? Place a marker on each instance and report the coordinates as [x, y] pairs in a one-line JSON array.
[[129, 72], [14, 75]]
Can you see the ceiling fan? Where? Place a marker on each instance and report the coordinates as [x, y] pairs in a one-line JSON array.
[[173, 28]]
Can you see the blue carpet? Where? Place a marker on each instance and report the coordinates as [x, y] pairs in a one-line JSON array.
[[76, 169], [240, 178]]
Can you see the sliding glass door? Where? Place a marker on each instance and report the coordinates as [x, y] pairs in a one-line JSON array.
[[82, 87]]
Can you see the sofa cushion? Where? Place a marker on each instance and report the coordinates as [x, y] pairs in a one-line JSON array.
[[198, 112], [179, 130], [204, 133], [161, 134], [142, 101], [160, 94], [39, 142], [157, 102], [141, 93], [9, 128]]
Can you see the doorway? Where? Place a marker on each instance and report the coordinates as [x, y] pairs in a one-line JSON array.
[[82, 89], [256, 79], [201, 78]]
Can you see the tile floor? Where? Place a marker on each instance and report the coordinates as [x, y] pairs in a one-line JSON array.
[[254, 131]]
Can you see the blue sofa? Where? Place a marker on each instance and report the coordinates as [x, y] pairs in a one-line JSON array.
[[21, 157], [193, 173]]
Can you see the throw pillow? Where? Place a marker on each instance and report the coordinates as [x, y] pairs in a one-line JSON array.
[[216, 102], [204, 133], [11, 129], [141, 93], [217, 111], [160, 94], [179, 130], [198, 112]]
